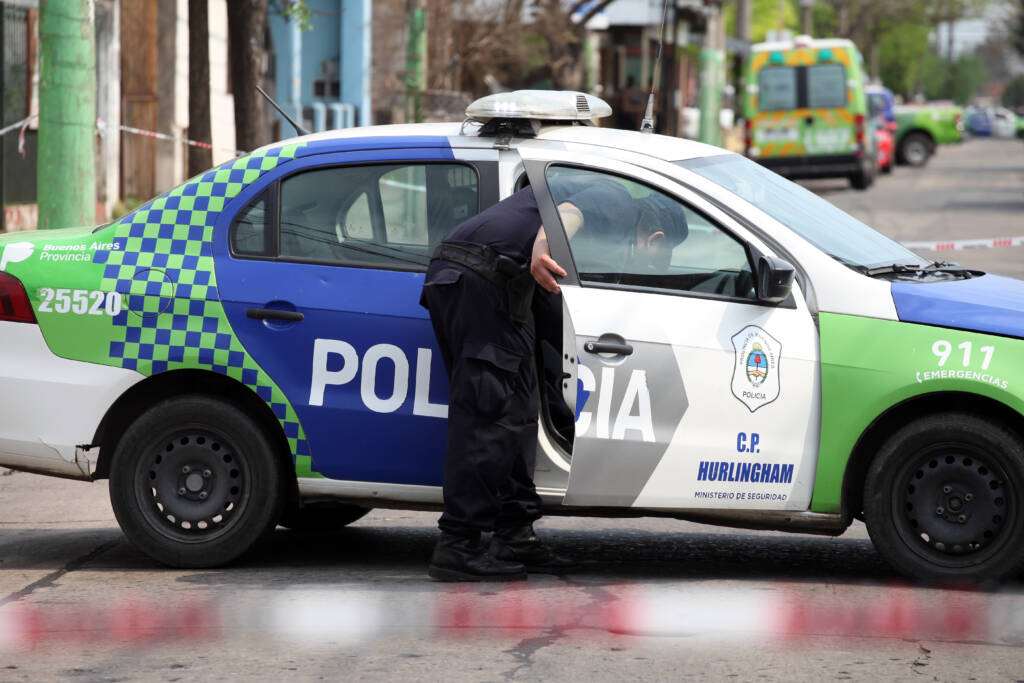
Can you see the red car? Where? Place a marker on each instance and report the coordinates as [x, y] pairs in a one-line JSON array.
[[885, 143]]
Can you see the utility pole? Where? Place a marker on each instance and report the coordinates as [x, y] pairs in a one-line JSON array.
[[805, 17], [66, 171], [712, 77], [744, 18], [415, 60]]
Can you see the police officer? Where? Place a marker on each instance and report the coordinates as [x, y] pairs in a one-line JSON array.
[[480, 291]]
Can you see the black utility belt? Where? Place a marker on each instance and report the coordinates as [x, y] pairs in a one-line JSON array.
[[501, 270]]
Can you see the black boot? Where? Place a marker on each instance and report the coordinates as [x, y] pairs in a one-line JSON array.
[[462, 558], [522, 545]]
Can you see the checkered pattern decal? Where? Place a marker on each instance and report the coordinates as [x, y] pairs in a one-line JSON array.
[[164, 269]]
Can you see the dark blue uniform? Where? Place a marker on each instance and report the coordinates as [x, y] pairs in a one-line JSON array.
[[489, 354]]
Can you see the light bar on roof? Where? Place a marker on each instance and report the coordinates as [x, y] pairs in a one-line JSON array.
[[539, 104]]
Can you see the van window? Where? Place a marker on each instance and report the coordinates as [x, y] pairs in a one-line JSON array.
[[776, 87], [826, 86]]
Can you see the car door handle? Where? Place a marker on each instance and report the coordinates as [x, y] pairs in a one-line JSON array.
[[273, 314], [608, 347]]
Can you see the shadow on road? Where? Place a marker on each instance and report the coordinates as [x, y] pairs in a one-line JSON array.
[[403, 553]]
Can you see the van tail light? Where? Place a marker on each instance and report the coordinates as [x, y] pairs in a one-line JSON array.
[[958, 121], [858, 123], [748, 136], [14, 304]]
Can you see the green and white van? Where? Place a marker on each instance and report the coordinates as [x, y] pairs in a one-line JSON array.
[[806, 112]]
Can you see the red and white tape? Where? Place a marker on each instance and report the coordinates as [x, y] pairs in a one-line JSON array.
[[311, 617], [956, 245], [169, 138], [23, 125]]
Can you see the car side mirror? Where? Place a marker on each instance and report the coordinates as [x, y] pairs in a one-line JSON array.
[[774, 279]]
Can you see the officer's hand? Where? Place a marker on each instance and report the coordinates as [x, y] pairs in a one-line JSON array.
[[544, 268]]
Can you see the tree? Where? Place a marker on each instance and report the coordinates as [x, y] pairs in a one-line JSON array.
[[1013, 93], [1017, 29], [495, 43], [246, 58], [199, 159]]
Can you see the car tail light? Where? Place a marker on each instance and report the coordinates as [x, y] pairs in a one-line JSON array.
[[892, 126], [748, 136], [858, 123], [14, 305]]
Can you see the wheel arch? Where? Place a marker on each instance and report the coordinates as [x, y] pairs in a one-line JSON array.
[[916, 129], [150, 391], [903, 413]]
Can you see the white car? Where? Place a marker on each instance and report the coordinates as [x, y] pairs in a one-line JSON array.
[[248, 348]]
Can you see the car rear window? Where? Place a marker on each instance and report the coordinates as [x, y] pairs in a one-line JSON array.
[[776, 86], [826, 86], [819, 86]]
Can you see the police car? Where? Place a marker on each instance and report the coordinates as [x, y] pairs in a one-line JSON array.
[[248, 348]]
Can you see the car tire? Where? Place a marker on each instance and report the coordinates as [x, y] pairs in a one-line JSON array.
[[861, 180], [317, 518], [944, 499], [915, 149], [196, 482]]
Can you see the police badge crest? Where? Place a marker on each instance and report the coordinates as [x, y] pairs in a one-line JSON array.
[[755, 377]]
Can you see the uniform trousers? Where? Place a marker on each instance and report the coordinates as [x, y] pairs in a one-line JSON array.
[[493, 404]]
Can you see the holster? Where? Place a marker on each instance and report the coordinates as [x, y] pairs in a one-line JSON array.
[[503, 271]]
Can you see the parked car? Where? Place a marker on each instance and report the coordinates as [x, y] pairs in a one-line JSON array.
[[980, 122], [880, 107], [921, 128], [806, 110], [248, 348]]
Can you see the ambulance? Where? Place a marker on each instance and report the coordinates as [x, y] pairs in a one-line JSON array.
[[805, 110]]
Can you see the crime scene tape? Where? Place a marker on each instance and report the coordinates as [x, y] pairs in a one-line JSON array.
[[23, 125], [317, 616], [956, 245]]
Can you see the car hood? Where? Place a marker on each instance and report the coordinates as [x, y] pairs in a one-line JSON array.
[[991, 303]]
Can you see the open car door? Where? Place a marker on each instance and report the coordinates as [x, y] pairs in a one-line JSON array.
[[691, 392]]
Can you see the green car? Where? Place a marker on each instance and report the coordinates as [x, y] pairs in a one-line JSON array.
[[921, 128]]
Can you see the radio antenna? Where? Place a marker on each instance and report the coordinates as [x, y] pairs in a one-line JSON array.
[[298, 129], [647, 125]]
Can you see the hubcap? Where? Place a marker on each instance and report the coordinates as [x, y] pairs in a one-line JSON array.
[[955, 503], [915, 153], [193, 485]]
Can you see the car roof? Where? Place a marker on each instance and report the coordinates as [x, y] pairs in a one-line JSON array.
[[816, 44], [461, 135]]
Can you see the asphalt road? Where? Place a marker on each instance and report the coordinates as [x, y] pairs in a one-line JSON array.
[[653, 599], [967, 191]]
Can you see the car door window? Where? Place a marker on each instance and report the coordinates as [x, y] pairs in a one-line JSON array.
[[249, 233], [387, 215], [635, 235]]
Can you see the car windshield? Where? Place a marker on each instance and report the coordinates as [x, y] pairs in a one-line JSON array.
[[819, 222]]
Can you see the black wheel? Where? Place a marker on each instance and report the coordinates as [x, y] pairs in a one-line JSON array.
[[915, 148], [861, 180], [195, 482], [320, 517], [944, 499]]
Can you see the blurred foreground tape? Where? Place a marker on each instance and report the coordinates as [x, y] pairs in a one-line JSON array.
[[320, 617]]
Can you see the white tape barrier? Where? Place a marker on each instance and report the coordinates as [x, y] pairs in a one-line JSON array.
[[956, 245], [102, 125], [343, 617]]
